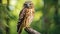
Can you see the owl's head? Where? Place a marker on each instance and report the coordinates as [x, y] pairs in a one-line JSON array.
[[28, 4]]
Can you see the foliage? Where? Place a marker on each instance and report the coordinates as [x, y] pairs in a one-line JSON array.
[[46, 20]]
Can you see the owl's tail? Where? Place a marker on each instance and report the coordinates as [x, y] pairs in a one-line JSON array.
[[20, 30]]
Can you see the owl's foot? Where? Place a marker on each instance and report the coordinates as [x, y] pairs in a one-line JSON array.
[[28, 27]]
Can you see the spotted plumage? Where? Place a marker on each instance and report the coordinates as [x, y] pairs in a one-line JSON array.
[[26, 16]]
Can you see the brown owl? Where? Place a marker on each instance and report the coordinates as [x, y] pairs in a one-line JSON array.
[[26, 16]]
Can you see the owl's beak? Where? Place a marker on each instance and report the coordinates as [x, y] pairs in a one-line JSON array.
[[28, 5]]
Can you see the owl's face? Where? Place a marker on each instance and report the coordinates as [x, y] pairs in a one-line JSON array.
[[28, 4]]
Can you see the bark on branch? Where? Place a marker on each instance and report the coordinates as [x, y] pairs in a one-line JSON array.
[[31, 31]]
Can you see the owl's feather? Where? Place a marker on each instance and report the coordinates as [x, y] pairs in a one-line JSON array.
[[25, 17]]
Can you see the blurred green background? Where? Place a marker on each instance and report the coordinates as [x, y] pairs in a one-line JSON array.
[[46, 20]]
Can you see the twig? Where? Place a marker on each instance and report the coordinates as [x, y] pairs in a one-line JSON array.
[[31, 31]]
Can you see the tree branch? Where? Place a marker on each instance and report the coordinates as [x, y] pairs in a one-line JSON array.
[[31, 31]]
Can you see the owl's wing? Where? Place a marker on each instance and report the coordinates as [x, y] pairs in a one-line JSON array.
[[21, 18]]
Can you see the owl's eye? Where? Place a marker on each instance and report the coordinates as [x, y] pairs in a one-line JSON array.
[[30, 4], [25, 4]]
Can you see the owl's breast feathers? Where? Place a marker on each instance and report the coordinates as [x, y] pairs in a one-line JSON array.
[[25, 17], [29, 14]]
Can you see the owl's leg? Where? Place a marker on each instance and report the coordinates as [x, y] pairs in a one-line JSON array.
[[27, 24]]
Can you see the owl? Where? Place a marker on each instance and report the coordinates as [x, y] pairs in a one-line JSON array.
[[26, 16]]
